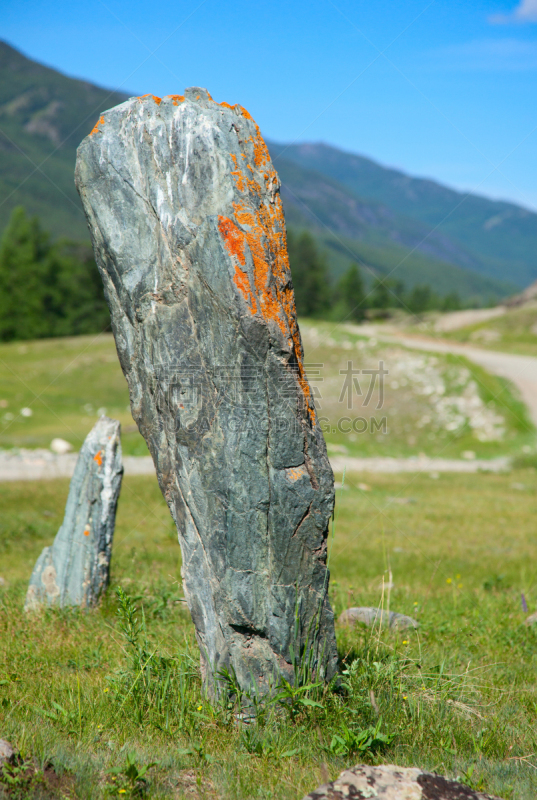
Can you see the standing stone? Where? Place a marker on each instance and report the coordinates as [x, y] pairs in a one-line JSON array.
[[186, 220], [75, 570]]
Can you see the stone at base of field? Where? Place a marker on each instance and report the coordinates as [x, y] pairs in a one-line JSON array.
[[374, 616], [75, 570], [7, 753], [389, 782]]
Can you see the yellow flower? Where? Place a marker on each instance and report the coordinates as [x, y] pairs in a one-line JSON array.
[[122, 791], [404, 697], [106, 690], [199, 708], [459, 586], [458, 577], [415, 602], [448, 580], [405, 641]]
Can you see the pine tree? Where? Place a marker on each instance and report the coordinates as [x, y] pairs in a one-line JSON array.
[[46, 289], [310, 281], [351, 295], [24, 268]]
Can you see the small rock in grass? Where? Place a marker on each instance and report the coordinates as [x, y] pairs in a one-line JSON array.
[[389, 782], [370, 616], [469, 455], [7, 753], [402, 501], [26, 412], [60, 446], [364, 487], [532, 619]]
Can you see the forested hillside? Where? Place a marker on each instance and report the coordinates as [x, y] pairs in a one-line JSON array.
[[357, 211]]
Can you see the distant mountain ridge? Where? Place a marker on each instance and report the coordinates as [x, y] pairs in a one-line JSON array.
[[494, 237], [357, 210]]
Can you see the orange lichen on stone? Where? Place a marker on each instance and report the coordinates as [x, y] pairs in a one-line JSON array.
[[234, 240], [158, 100], [176, 98], [95, 128], [98, 458], [245, 114], [293, 474], [242, 282], [237, 174], [87, 530], [263, 228]]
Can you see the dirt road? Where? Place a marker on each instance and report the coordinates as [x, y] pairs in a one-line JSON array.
[[520, 370]]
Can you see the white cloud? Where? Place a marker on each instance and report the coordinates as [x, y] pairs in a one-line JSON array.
[[526, 11], [489, 55]]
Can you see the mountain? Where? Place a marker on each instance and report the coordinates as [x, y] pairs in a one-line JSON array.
[[355, 208], [44, 116], [495, 238]]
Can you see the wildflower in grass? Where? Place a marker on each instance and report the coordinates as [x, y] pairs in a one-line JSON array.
[[448, 580], [405, 697], [199, 708], [106, 690], [122, 791], [459, 586], [405, 641]]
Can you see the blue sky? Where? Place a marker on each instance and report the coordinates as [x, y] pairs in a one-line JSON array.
[[444, 88]]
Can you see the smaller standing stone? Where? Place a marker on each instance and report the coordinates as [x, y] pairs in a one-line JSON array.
[[75, 570]]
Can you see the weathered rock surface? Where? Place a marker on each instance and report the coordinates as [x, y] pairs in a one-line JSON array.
[[7, 753], [75, 570], [390, 782], [374, 616], [185, 215]]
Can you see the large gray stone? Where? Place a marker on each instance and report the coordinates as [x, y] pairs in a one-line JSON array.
[[75, 570], [370, 616], [389, 782], [184, 211]]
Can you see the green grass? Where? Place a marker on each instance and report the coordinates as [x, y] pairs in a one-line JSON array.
[[65, 382], [457, 696]]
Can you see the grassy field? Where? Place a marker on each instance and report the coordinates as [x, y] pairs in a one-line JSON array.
[[457, 696], [438, 405], [109, 703]]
